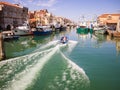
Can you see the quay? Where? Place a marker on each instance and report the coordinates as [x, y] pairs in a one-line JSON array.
[[113, 33], [2, 54]]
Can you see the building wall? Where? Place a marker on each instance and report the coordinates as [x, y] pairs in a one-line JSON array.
[[12, 15]]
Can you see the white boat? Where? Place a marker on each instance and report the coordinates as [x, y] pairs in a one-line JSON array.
[[22, 30], [8, 35], [100, 31], [99, 28]]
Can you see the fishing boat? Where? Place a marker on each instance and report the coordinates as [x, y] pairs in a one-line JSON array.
[[82, 30], [42, 30], [99, 29]]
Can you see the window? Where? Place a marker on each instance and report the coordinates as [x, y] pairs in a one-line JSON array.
[[109, 17]]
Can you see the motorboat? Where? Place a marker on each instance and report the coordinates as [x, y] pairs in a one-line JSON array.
[[22, 30], [64, 40]]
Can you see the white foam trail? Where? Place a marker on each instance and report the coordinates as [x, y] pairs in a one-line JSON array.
[[17, 58], [23, 79], [72, 45], [74, 75], [74, 66], [53, 43]]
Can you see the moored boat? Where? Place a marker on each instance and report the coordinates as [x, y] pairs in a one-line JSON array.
[[100, 31], [82, 30], [22, 30], [42, 30], [99, 27], [8, 36]]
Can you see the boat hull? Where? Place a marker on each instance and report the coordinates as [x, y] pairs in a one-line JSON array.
[[41, 33], [9, 38], [22, 32], [82, 30]]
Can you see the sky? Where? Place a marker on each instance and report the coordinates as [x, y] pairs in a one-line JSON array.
[[72, 9]]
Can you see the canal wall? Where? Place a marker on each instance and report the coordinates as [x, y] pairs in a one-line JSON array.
[[2, 54]]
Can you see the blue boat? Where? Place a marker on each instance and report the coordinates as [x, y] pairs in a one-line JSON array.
[[42, 30], [41, 33]]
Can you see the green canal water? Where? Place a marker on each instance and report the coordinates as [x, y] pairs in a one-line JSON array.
[[88, 62]]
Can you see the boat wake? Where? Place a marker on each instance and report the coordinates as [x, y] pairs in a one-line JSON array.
[[47, 64]]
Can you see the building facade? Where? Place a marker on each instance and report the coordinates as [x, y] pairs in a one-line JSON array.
[[43, 17], [40, 17], [108, 19], [12, 14]]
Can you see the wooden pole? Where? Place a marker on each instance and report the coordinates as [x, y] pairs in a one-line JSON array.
[[2, 53]]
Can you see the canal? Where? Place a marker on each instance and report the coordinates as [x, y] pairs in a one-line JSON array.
[[88, 62]]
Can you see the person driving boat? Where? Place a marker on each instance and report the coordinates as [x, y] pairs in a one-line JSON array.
[[64, 40]]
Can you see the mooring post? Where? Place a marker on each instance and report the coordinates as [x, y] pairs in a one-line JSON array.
[[2, 53]]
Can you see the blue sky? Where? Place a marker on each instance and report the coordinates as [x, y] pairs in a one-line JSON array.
[[72, 9]]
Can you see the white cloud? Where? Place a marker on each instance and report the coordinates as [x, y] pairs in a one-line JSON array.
[[47, 3], [30, 1], [16, 0], [53, 9]]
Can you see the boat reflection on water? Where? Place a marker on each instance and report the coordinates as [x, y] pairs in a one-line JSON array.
[[117, 40]]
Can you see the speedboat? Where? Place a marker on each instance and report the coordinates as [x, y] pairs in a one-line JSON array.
[[64, 40]]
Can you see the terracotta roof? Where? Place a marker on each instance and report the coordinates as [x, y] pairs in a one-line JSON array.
[[9, 4], [105, 15]]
